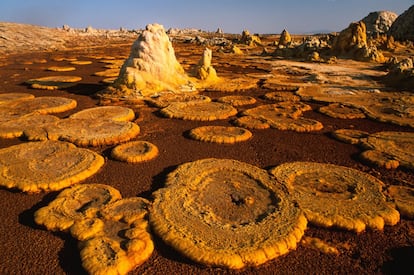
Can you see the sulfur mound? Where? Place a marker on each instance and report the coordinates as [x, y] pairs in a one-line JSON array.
[[86, 132], [403, 197], [201, 111], [227, 213], [250, 40], [150, 68], [204, 69], [115, 113], [332, 195], [285, 38], [220, 134], [46, 166], [352, 42], [112, 232], [135, 151]]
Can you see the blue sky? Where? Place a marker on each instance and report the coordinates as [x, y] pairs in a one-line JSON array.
[[233, 16]]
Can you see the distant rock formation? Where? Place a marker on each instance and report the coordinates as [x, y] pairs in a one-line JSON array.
[[403, 26], [352, 42], [251, 40], [401, 73], [204, 69], [285, 38], [350, 39], [379, 22], [236, 50], [151, 66]]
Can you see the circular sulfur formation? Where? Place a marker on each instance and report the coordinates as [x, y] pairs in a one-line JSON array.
[[282, 96], [200, 111], [237, 100], [61, 68], [220, 134], [338, 110], [165, 99], [251, 122], [115, 113], [332, 195], [15, 127], [227, 213], [73, 204], [135, 151], [283, 116], [53, 82], [351, 136], [39, 105], [403, 197], [389, 149], [46, 166], [113, 232], [81, 62], [85, 132], [10, 97]]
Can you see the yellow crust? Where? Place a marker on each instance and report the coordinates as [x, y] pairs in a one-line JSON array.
[[135, 151], [332, 195], [220, 134]]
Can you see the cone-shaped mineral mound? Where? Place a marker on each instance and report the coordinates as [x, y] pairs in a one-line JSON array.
[[151, 66]]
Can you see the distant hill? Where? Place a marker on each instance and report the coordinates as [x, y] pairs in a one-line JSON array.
[[17, 38]]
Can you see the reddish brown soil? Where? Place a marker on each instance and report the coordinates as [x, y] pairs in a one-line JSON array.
[[29, 249]]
